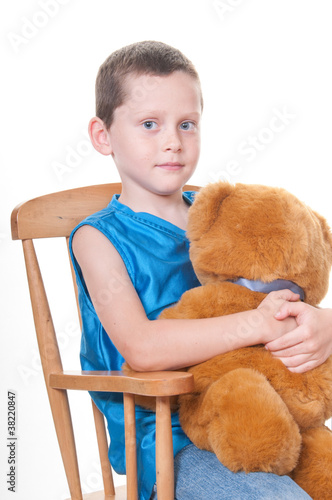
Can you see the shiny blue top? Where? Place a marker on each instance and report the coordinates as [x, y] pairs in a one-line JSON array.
[[156, 255]]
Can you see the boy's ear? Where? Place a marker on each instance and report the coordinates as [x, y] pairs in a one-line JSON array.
[[99, 136]]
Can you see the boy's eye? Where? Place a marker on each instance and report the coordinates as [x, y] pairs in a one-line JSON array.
[[187, 125], [149, 125]]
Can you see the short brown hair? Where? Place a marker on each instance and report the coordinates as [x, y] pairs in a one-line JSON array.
[[148, 57]]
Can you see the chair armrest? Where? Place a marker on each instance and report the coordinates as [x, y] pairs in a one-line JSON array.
[[163, 383]]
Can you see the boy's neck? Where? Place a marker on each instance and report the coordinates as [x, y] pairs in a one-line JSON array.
[[170, 207]]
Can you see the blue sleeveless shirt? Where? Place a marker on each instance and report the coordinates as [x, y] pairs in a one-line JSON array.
[[156, 255]]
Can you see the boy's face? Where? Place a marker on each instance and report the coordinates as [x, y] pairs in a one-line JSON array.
[[155, 135]]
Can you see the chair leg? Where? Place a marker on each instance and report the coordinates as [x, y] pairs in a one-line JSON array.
[[103, 451], [164, 450], [64, 429], [130, 439]]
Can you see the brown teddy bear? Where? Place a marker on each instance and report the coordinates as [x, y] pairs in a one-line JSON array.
[[247, 407]]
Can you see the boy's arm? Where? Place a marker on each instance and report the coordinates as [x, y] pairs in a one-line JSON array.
[[164, 344]]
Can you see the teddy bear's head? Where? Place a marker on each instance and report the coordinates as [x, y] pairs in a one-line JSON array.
[[259, 233]]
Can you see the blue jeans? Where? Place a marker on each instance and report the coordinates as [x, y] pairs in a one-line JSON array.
[[200, 476]]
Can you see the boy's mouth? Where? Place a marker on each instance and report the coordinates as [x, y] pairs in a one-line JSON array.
[[170, 165]]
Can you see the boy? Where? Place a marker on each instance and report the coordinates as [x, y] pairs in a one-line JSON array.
[[131, 261]]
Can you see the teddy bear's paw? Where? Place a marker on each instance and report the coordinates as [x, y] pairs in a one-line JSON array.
[[250, 427], [314, 469]]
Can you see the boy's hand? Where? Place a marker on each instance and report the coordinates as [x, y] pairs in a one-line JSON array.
[[310, 343], [274, 300]]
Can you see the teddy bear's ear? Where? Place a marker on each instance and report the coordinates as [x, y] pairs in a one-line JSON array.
[[205, 208]]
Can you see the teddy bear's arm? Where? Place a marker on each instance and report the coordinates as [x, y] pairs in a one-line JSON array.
[[214, 299]]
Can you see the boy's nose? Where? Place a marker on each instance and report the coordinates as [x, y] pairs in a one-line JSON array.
[[172, 142]]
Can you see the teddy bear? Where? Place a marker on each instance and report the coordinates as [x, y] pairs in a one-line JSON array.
[[247, 407]]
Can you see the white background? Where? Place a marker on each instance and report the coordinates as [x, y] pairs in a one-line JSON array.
[[256, 58]]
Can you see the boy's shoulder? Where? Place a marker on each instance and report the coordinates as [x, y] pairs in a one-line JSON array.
[[104, 213], [103, 216], [116, 216]]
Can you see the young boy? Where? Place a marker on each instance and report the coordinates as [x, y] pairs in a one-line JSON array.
[[131, 261]]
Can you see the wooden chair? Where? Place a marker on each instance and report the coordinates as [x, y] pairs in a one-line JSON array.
[[55, 215]]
